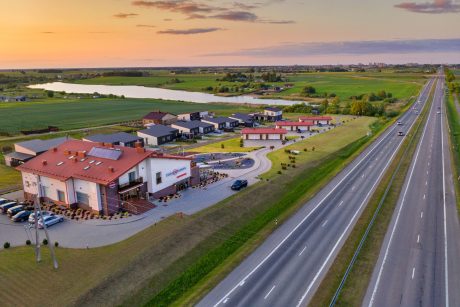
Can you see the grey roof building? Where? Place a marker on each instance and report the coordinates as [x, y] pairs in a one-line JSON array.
[[221, 122], [158, 134], [119, 138]]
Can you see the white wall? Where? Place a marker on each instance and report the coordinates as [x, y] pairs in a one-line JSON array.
[[148, 139], [167, 167], [90, 188], [52, 186]]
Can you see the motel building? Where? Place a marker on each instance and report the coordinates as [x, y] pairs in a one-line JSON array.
[[104, 178], [263, 134], [295, 126], [323, 120]]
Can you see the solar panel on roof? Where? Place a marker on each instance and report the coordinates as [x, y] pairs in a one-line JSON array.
[[105, 153]]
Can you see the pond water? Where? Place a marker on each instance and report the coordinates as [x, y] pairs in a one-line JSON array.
[[135, 91]]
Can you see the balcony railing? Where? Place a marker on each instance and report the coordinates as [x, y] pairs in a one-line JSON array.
[[130, 184]]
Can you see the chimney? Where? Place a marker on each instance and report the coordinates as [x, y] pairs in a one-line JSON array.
[[75, 159], [66, 152], [159, 154], [138, 144], [111, 169], [81, 154], [54, 149], [140, 149], [44, 162]]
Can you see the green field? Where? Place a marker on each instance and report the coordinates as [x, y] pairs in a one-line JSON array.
[[82, 113], [401, 85]]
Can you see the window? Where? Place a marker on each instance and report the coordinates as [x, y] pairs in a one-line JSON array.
[[60, 195], [158, 176], [82, 198], [132, 176]]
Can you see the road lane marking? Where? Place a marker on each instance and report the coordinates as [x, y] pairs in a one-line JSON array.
[[324, 224], [242, 282], [418, 238], [421, 215], [389, 134], [413, 272], [362, 176], [226, 300], [379, 275], [353, 188], [427, 172], [341, 203], [426, 182], [302, 250], [424, 196], [266, 295]]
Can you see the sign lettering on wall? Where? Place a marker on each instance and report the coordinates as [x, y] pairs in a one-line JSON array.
[[176, 171]]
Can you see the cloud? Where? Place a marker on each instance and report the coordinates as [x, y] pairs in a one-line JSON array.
[[125, 15], [350, 48], [245, 6], [279, 22], [47, 32], [435, 7], [236, 16], [167, 19], [179, 6], [189, 31], [146, 26]]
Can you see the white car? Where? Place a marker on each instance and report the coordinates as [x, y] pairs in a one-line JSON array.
[[50, 220], [32, 216], [439, 112], [399, 123]]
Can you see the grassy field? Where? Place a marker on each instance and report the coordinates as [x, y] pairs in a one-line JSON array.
[[232, 145], [82, 113], [134, 270], [401, 85], [454, 128], [324, 144]]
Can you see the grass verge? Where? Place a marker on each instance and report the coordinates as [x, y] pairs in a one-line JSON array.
[[356, 284], [453, 119]]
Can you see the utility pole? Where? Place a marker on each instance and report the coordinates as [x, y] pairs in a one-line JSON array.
[[38, 209]]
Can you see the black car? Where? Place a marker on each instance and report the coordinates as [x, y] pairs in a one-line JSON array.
[[13, 210], [21, 216], [239, 184], [4, 207]]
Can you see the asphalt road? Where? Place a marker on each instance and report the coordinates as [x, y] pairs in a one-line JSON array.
[[288, 267], [419, 263]]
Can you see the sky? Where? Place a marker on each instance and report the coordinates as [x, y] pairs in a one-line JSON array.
[[127, 33]]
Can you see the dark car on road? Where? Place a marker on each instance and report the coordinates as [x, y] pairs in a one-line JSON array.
[[400, 133], [4, 207], [239, 184], [21, 216]]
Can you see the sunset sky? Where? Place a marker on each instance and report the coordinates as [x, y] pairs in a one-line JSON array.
[[123, 33]]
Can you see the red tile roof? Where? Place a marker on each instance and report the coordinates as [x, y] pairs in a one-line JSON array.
[[55, 163], [263, 131], [303, 118], [305, 123]]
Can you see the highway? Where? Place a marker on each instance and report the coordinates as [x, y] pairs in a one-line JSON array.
[[288, 267], [419, 263]]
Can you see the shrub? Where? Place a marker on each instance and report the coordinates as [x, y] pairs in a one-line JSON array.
[[56, 244], [28, 242], [222, 146], [45, 242], [305, 149], [279, 172], [6, 245]]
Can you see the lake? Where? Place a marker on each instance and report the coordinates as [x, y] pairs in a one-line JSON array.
[[135, 91]]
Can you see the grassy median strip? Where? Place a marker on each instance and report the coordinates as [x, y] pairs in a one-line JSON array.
[[453, 118], [384, 199]]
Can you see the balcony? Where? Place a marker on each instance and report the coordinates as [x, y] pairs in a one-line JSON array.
[[130, 184]]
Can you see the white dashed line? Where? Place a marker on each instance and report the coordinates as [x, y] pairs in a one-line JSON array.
[[418, 238], [302, 251], [266, 295], [424, 196], [413, 272], [324, 224], [421, 215], [341, 203]]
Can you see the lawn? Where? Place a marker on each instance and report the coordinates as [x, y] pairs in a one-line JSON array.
[[324, 144], [231, 145], [9, 177], [83, 113], [133, 271]]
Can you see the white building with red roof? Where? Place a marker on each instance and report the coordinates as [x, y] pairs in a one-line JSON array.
[[294, 126], [101, 177], [324, 120], [263, 134]]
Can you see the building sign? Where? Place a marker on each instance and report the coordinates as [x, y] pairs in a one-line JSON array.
[[176, 171], [112, 185]]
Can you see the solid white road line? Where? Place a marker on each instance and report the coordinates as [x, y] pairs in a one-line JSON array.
[[374, 291], [446, 264], [266, 295], [320, 203], [300, 254]]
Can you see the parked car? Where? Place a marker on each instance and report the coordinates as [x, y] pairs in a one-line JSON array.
[[32, 216], [7, 205], [50, 220], [239, 184], [13, 210], [21, 216], [3, 201]]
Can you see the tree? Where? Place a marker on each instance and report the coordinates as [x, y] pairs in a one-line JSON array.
[[309, 90], [50, 94]]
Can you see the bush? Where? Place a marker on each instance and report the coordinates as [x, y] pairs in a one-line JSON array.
[[279, 172], [6, 245], [28, 242], [45, 242], [56, 244]]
